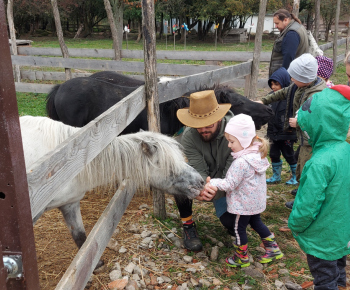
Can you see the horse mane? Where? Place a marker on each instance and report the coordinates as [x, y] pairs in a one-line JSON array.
[[122, 158], [52, 132]]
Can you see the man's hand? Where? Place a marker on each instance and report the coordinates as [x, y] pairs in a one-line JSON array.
[[293, 122], [260, 102], [209, 191]]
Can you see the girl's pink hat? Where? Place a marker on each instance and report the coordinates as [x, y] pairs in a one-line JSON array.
[[243, 128]]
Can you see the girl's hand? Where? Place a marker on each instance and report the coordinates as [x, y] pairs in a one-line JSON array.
[[293, 122], [209, 191]]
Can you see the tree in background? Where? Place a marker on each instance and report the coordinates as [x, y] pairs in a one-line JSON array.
[[328, 9], [133, 13]]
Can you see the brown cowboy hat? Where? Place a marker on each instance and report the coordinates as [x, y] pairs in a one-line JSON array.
[[204, 110]]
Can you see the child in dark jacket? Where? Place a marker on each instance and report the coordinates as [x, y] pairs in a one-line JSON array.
[[282, 141]]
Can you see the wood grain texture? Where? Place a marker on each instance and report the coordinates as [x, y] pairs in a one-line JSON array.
[[96, 64], [138, 54], [166, 91], [84, 263]]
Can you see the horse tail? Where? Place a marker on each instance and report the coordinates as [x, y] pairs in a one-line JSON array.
[[50, 104]]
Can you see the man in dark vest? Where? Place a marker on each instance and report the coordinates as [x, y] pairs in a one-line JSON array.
[[291, 43]]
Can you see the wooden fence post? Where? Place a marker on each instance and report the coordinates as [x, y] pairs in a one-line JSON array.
[[63, 46], [16, 228], [335, 38], [151, 88], [257, 50], [13, 37]]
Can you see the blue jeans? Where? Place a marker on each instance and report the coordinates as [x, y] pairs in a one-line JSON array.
[[328, 275]]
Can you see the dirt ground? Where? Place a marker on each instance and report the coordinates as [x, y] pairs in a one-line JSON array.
[[55, 246]]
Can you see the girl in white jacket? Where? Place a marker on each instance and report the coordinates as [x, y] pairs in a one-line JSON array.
[[245, 187]]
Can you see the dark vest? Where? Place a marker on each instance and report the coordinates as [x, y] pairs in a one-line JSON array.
[[277, 57]]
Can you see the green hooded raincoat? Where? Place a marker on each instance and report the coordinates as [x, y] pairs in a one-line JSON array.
[[320, 219]]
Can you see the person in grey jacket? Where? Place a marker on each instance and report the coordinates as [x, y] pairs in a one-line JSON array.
[[291, 43], [207, 151]]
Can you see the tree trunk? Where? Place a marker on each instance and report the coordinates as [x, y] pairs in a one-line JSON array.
[[139, 28], [161, 30], [13, 37], [63, 46], [317, 19], [116, 43], [151, 91], [257, 50], [296, 5], [118, 10], [308, 20], [348, 38], [80, 29], [220, 29], [335, 40]]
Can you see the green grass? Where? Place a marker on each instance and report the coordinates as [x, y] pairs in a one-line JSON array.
[[31, 104], [191, 44]]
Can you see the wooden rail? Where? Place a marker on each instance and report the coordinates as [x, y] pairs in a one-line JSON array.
[[84, 263], [114, 65], [240, 56]]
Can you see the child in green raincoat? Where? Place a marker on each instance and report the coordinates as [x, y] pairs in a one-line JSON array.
[[321, 213]]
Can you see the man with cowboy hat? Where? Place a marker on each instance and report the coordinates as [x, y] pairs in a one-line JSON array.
[[206, 149]]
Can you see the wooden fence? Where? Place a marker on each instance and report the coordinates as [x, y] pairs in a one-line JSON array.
[[51, 58], [69, 158]]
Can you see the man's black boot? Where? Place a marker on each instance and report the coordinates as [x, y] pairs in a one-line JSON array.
[[289, 204], [294, 192], [191, 238]]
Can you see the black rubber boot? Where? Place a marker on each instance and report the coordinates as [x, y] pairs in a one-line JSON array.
[[294, 192], [289, 204], [192, 241]]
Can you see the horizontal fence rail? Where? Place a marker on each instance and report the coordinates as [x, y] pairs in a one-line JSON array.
[[114, 65], [240, 56]]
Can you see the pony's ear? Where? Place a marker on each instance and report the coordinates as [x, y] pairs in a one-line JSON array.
[[148, 149]]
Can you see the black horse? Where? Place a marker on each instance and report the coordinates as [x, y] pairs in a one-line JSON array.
[[80, 100]]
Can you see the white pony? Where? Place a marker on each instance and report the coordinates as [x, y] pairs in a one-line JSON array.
[[148, 158]]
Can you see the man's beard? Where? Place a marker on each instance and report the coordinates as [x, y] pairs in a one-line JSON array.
[[212, 136]]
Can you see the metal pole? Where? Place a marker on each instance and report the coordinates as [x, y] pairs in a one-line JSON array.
[[16, 228]]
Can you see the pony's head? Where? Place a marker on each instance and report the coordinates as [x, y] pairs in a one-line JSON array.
[[158, 161]]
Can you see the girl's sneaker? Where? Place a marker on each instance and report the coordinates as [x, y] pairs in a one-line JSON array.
[[240, 257], [273, 252]]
